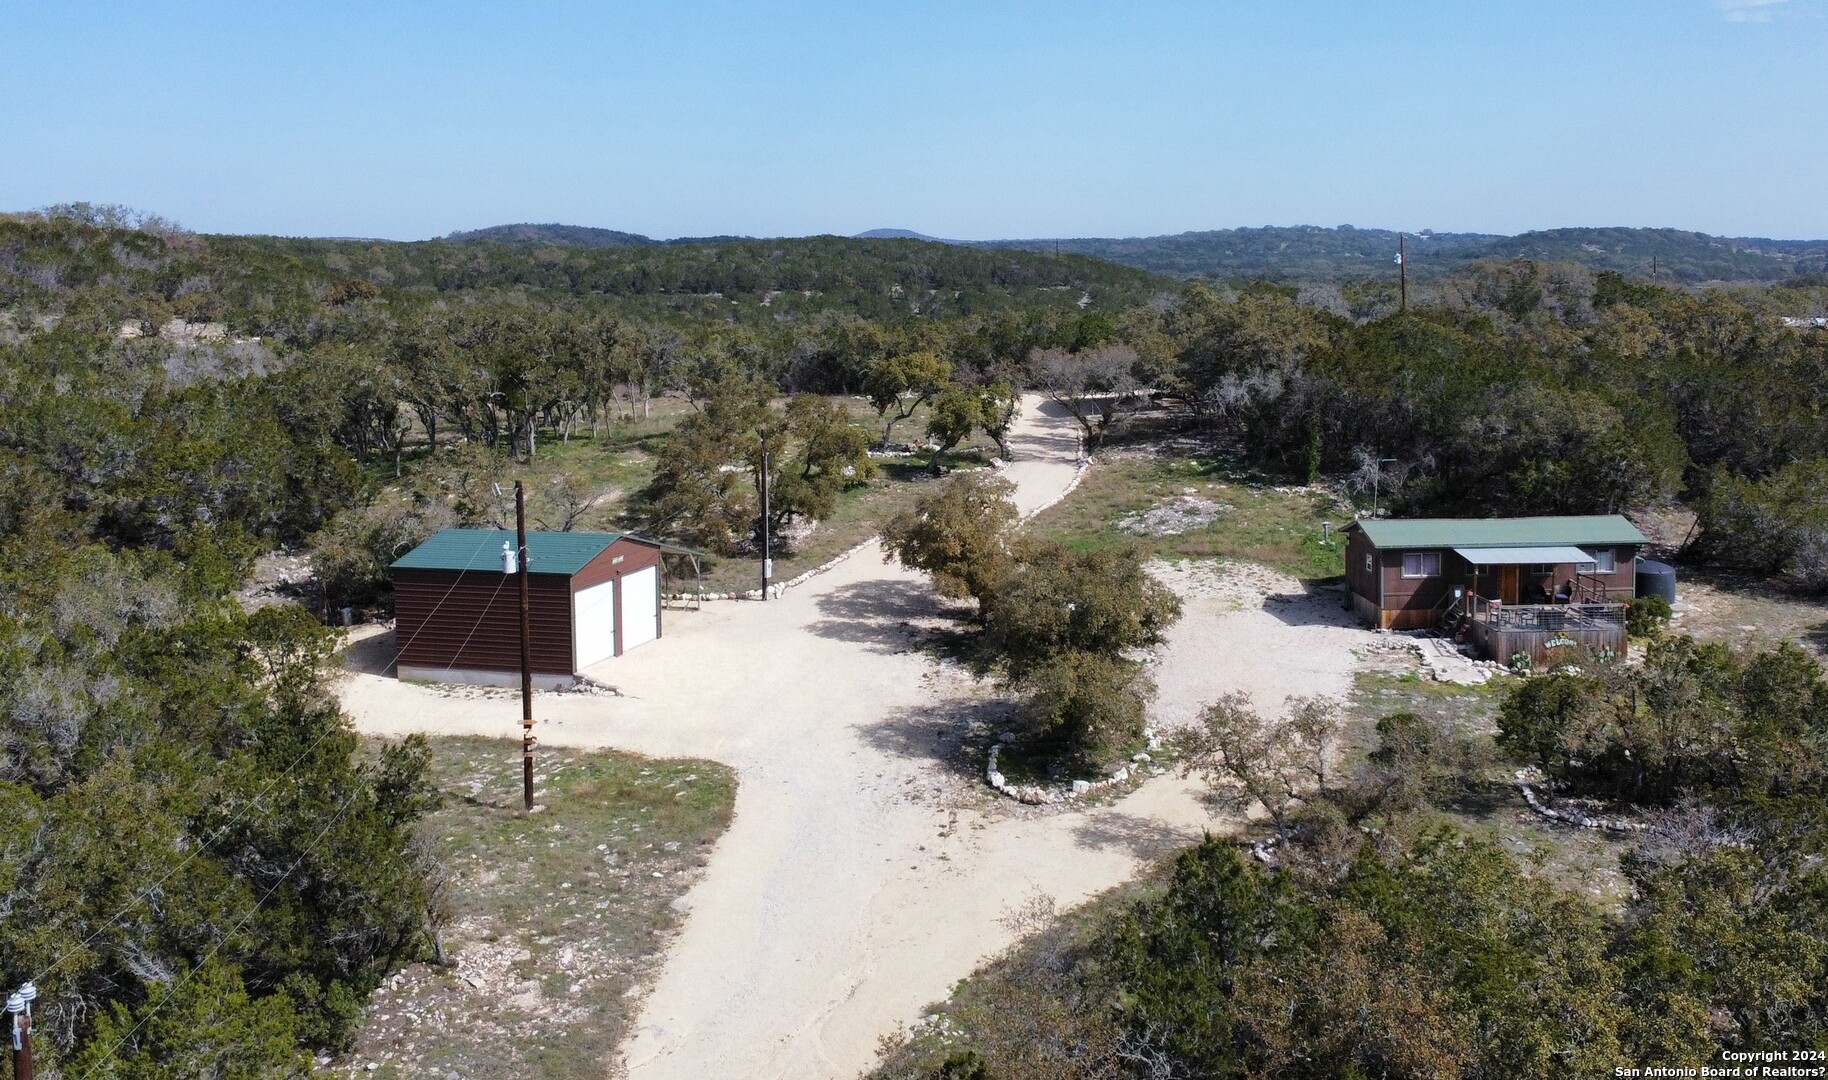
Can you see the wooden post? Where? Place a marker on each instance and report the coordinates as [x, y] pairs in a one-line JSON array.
[[19, 1012], [1402, 270], [767, 563], [526, 653]]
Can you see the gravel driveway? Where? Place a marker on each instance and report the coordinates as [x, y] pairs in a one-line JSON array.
[[850, 891]]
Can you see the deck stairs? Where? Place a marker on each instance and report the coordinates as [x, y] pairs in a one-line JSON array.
[[1452, 624]]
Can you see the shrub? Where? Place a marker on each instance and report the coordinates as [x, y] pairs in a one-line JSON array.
[[960, 532], [1646, 616], [1099, 601], [1777, 525], [1088, 704], [1062, 629]]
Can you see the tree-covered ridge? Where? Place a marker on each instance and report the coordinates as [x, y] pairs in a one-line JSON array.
[[271, 286], [553, 233], [1312, 253], [1305, 253], [872, 276]]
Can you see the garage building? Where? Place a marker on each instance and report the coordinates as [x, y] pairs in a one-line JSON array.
[[457, 614]]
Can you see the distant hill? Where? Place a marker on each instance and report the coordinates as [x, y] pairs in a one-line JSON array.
[[1681, 256], [1314, 253], [572, 235], [898, 234], [765, 281], [1298, 252]]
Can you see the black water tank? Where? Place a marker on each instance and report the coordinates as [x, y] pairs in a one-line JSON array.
[[1657, 579]]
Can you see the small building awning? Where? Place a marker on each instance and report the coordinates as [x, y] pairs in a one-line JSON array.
[[1510, 556]]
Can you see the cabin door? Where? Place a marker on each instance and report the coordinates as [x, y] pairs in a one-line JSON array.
[[1508, 587]]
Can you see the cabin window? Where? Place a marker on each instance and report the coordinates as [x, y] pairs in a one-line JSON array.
[[1370, 563], [1422, 564], [1541, 568], [1605, 561]]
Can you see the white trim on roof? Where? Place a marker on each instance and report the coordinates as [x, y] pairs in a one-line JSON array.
[[1532, 554]]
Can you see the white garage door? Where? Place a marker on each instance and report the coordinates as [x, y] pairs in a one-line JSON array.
[[595, 613], [640, 607]]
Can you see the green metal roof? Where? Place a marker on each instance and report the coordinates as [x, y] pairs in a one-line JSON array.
[[480, 549], [1500, 532]]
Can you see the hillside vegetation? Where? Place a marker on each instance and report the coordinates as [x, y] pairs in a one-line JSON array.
[[1374, 936], [1313, 254], [1309, 253], [233, 873]]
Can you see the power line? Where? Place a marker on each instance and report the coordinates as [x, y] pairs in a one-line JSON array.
[[400, 650], [223, 940], [203, 845]]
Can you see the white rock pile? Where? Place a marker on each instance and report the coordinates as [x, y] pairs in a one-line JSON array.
[[1527, 778], [1040, 795]]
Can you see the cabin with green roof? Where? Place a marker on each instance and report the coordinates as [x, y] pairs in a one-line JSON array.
[[591, 597], [1510, 585]]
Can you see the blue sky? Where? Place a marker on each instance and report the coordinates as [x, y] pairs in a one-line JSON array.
[[972, 120]]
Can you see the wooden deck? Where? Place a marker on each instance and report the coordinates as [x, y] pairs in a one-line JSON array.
[[1545, 631]]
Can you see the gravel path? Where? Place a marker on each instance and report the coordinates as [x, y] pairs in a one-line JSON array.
[[856, 884]]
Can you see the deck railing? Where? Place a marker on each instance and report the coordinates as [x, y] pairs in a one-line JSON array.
[[1575, 616]]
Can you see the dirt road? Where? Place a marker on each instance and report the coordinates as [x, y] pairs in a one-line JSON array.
[[847, 894]]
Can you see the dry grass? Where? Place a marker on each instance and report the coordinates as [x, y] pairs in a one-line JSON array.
[[1255, 521], [558, 920], [1748, 614]]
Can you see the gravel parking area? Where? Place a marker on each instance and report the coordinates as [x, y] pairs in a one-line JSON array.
[[858, 880]]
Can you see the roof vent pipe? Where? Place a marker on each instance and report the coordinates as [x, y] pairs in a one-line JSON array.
[[510, 563]]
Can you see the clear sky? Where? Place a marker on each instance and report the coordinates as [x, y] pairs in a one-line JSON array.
[[972, 119]]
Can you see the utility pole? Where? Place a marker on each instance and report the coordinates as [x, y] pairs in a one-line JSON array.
[[19, 1011], [1402, 272], [526, 656], [1377, 477], [767, 562]]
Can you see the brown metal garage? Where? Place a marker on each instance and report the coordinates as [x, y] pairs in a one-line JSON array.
[[457, 614]]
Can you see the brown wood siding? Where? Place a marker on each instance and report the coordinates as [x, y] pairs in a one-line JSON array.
[[633, 555], [1543, 647], [1411, 603], [1620, 585], [1415, 602], [471, 620], [1362, 581]]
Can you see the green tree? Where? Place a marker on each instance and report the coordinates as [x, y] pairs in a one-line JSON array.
[[961, 532], [1443, 960], [1249, 760], [1089, 705], [1725, 950], [204, 1024], [1067, 601], [816, 453], [957, 412], [1060, 629], [1546, 718], [898, 385]]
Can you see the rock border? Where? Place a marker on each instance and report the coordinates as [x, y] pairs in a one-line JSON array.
[[1524, 779], [1042, 795]]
